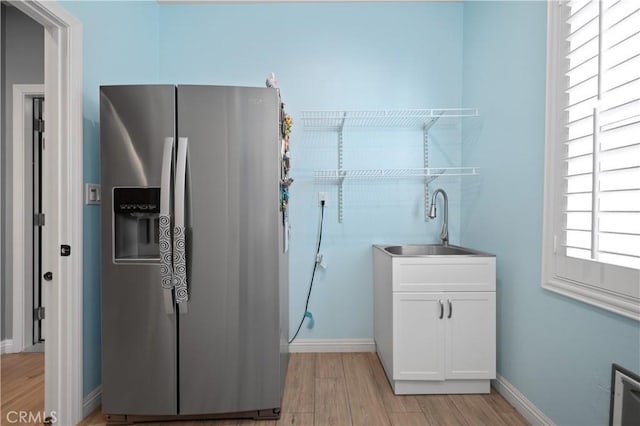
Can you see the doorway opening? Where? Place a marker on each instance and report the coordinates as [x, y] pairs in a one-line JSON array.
[[62, 203], [28, 218], [34, 144]]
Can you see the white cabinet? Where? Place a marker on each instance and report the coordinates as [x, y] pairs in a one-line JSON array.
[[418, 334], [470, 337], [440, 336], [435, 341]]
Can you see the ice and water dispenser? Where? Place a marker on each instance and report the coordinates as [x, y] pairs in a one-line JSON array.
[[136, 225]]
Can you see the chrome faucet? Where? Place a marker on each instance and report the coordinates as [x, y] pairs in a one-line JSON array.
[[444, 235]]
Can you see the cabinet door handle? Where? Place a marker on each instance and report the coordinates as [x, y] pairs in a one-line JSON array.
[[450, 308], [441, 309]]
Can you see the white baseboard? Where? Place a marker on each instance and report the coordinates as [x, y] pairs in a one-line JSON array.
[[6, 346], [91, 401], [332, 345], [529, 411]]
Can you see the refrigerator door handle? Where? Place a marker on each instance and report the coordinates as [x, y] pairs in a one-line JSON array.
[[179, 234], [166, 258]]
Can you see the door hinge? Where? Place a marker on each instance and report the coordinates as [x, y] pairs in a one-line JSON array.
[[38, 313], [38, 219], [38, 125]]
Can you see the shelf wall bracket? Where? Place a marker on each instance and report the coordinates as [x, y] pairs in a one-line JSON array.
[[425, 150], [340, 166]]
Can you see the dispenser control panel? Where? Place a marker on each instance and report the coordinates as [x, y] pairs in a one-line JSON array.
[[136, 227]]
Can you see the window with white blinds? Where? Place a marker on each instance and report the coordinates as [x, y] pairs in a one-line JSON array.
[[593, 148], [602, 131]]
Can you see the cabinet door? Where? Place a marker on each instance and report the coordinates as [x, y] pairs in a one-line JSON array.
[[470, 320], [418, 336]]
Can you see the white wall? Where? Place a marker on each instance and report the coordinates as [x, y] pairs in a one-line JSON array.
[[22, 63]]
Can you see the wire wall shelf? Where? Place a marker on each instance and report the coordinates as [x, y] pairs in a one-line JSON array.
[[335, 175], [404, 119], [420, 119]]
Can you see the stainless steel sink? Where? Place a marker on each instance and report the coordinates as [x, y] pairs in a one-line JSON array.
[[430, 250]]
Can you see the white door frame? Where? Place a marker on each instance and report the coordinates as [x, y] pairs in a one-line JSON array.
[[63, 171], [22, 93]]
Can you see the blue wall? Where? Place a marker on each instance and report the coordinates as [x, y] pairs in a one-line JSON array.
[[489, 55], [556, 351], [333, 56], [120, 47], [325, 56]]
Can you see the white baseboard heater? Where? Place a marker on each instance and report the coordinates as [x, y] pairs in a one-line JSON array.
[[625, 397]]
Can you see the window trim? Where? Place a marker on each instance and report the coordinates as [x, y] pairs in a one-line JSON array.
[[625, 303]]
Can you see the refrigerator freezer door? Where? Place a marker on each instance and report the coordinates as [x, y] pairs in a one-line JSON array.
[[229, 344], [139, 354]]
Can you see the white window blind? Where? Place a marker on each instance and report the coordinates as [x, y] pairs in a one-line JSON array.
[[591, 239], [601, 131]]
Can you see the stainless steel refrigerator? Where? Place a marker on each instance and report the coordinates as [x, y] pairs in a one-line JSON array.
[[194, 268]]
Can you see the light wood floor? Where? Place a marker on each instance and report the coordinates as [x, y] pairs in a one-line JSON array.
[[22, 388], [350, 389]]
